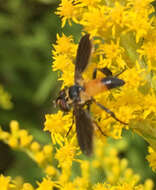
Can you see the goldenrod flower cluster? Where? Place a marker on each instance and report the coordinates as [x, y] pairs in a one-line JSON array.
[[5, 99], [19, 139], [124, 36], [105, 171]]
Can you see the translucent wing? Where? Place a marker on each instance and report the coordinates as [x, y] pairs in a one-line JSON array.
[[84, 129], [82, 57]]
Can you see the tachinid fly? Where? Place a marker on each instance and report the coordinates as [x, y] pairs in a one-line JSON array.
[[81, 94]]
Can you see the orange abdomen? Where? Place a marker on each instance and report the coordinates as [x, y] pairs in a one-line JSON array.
[[94, 87]]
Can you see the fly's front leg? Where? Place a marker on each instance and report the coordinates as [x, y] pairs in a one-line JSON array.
[[70, 126], [104, 70], [88, 103]]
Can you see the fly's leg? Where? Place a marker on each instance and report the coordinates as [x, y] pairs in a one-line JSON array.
[[99, 128], [88, 103], [120, 72], [112, 114], [70, 127], [104, 70]]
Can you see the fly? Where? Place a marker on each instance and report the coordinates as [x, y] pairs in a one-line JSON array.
[[82, 93]]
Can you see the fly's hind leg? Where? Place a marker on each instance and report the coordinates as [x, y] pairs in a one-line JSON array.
[[112, 114], [104, 70], [99, 128], [88, 104]]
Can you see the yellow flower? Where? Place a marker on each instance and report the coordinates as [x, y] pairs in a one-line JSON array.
[[27, 186], [149, 184], [68, 186], [118, 14], [139, 23], [85, 170], [140, 5], [39, 157], [5, 99], [130, 177], [63, 53], [64, 63], [90, 2], [35, 146], [58, 124], [117, 29], [65, 154], [13, 139], [95, 20], [13, 142], [81, 182], [117, 175], [68, 10], [47, 184], [64, 45], [65, 175], [25, 139], [112, 51], [47, 149], [147, 49], [50, 170], [14, 126], [152, 158], [61, 62], [67, 77], [99, 186], [5, 183], [17, 138], [54, 122]]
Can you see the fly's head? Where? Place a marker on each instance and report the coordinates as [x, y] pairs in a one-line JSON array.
[[62, 100], [74, 93], [68, 97]]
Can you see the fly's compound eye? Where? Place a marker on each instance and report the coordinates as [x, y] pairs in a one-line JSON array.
[[63, 105], [62, 101], [62, 94]]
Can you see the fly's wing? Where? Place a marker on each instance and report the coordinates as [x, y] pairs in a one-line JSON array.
[[84, 129], [82, 57]]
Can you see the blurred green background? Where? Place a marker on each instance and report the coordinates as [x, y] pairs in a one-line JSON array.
[[27, 31]]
